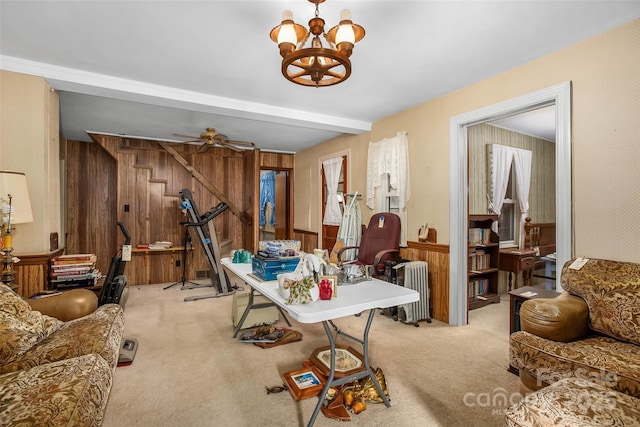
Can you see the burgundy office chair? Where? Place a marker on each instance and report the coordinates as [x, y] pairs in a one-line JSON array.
[[380, 243]]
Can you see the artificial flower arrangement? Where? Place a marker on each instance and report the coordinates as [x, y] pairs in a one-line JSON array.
[[300, 287]]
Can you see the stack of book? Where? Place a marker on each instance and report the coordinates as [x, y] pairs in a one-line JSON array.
[[74, 271], [478, 287], [479, 236], [479, 260]]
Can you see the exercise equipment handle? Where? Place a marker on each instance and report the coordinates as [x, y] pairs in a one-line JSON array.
[[208, 216], [127, 236]]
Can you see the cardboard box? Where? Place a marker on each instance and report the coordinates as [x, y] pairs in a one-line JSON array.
[[257, 316]]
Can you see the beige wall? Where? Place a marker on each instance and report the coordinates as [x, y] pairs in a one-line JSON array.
[[605, 131], [29, 143]]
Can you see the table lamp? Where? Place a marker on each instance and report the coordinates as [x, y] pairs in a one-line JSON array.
[[16, 209]]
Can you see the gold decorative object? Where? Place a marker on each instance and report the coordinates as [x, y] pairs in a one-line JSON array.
[[355, 397]]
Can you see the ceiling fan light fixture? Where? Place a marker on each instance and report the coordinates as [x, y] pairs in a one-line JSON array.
[[210, 138], [316, 66]]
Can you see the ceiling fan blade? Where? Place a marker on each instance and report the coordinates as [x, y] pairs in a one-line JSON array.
[[225, 144], [204, 147], [194, 138], [242, 143]]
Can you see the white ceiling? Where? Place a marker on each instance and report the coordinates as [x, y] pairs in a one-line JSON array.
[[540, 123], [154, 68]]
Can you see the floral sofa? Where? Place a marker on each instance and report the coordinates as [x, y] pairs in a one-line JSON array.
[[573, 402], [586, 344], [52, 372], [591, 331]]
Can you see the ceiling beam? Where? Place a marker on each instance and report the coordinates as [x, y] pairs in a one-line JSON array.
[[79, 81]]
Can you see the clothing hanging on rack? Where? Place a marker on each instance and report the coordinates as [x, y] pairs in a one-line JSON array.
[[350, 230]]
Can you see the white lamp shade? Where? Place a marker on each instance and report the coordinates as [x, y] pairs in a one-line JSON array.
[[15, 183], [345, 34], [287, 34]]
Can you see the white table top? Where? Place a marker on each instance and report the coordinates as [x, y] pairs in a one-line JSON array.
[[352, 299]]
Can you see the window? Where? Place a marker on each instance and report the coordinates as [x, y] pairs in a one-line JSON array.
[[388, 163], [388, 200], [507, 225]]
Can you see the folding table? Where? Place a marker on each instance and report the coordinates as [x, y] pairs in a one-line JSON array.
[[352, 299]]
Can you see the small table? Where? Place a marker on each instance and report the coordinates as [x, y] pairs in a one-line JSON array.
[[516, 298], [549, 271], [515, 261], [353, 299]]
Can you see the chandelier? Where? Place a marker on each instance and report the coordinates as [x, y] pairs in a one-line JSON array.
[[316, 65]]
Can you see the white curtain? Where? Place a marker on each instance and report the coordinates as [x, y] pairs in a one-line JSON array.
[[522, 162], [390, 156], [501, 159], [332, 213]]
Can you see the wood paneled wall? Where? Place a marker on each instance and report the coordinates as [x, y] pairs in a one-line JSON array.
[[308, 240], [276, 161], [91, 188], [137, 182], [32, 273], [157, 266], [251, 200], [437, 258]]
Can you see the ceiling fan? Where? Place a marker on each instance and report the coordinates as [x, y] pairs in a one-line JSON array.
[[210, 137]]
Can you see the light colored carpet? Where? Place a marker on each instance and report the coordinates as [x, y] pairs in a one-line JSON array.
[[189, 371]]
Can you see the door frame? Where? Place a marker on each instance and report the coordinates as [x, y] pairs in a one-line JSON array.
[[560, 95], [288, 196]]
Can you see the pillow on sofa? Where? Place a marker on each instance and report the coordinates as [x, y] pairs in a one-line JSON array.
[[20, 327], [560, 319], [612, 292], [617, 314]]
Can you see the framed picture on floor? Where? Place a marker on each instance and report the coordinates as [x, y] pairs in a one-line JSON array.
[[348, 361], [304, 383]]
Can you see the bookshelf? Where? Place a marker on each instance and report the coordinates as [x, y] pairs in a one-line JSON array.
[[484, 260]]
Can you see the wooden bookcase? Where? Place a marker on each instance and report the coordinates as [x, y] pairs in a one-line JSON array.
[[484, 260]]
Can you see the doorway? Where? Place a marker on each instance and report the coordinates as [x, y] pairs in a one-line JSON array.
[[560, 96], [330, 232], [534, 133], [274, 205]]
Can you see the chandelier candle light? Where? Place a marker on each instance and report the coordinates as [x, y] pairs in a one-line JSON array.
[[316, 65]]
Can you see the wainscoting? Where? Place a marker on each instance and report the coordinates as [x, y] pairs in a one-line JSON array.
[[437, 257], [32, 272]]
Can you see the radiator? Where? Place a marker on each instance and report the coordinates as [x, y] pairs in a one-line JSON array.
[[415, 276]]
